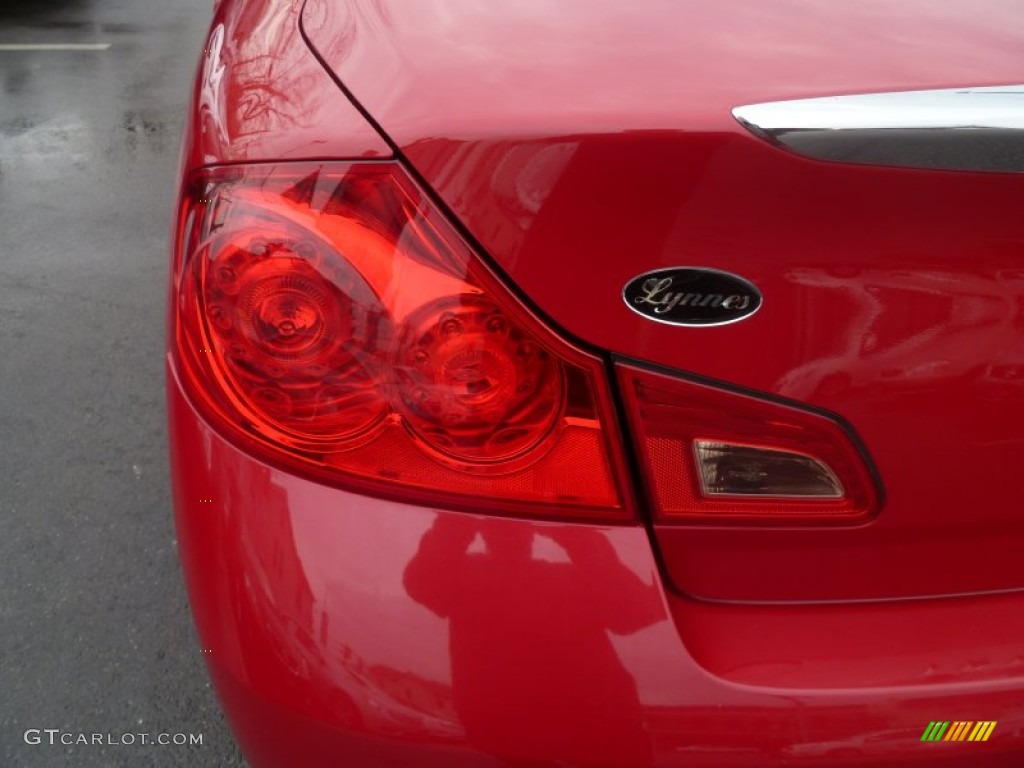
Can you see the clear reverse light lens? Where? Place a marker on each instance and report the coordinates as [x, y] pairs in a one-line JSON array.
[[743, 470]]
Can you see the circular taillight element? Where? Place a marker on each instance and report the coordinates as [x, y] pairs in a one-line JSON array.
[[473, 386], [294, 335]]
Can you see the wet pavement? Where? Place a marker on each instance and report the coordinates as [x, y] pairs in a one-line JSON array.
[[95, 633]]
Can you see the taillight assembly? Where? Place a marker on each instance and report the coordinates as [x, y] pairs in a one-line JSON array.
[[329, 319], [714, 456]]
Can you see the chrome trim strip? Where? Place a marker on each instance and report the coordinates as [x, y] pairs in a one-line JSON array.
[[963, 129]]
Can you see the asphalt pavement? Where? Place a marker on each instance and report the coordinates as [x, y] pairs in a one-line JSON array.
[[95, 632]]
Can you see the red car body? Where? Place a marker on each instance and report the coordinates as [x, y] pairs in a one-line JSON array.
[[622, 619]]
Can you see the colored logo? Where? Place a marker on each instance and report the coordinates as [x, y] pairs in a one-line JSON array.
[[959, 730]]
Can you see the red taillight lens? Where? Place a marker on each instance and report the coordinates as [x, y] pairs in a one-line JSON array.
[[475, 386], [287, 340], [710, 456], [329, 318]]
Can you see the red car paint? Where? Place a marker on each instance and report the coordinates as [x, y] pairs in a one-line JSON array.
[[585, 145], [580, 144]]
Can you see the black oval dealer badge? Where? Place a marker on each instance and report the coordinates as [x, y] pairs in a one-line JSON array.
[[692, 296]]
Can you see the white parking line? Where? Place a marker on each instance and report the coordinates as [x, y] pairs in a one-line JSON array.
[[54, 46]]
